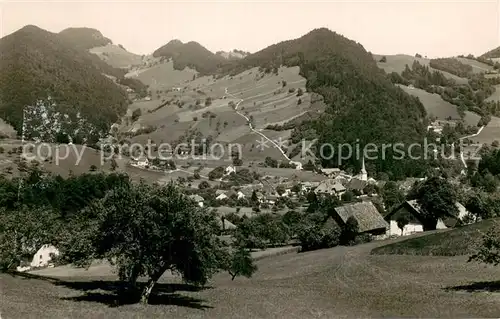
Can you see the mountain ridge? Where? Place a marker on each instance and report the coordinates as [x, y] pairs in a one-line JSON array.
[[37, 64]]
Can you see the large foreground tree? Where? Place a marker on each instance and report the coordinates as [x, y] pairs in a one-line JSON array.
[[437, 199], [146, 230]]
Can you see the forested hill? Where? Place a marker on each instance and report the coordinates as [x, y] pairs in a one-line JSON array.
[[84, 38], [36, 64], [363, 104], [191, 54], [495, 53]]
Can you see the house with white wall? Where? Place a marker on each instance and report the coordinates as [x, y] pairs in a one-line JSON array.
[[412, 211], [44, 255]]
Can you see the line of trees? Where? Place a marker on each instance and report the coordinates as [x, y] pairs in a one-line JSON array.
[[142, 230]]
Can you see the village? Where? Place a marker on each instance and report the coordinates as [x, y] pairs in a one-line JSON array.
[[235, 193]]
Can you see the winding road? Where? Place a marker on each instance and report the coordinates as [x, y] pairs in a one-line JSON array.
[[465, 137], [257, 131]]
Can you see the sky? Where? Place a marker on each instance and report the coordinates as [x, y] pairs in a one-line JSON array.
[[432, 28]]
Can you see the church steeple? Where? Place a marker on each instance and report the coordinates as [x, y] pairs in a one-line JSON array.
[[363, 174]]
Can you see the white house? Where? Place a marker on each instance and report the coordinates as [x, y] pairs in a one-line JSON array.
[[298, 165], [240, 195], [330, 187], [44, 255], [411, 210], [147, 98], [198, 199], [142, 162], [230, 169], [221, 195]]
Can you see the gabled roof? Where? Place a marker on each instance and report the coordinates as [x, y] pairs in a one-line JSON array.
[[220, 191], [197, 198], [329, 186], [329, 171], [227, 224], [414, 208], [356, 184], [365, 213]]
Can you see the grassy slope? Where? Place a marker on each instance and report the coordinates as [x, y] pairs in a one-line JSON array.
[[477, 67], [397, 63], [331, 283], [436, 106], [116, 56], [490, 133], [260, 101], [455, 242]]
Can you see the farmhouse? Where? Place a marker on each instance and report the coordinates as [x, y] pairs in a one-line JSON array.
[[230, 169], [308, 186], [366, 214], [221, 194], [142, 161], [357, 185], [412, 212], [330, 187], [198, 199], [44, 255], [331, 172]]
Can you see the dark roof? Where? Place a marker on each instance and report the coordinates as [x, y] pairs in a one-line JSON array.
[[357, 184], [365, 213], [414, 209]]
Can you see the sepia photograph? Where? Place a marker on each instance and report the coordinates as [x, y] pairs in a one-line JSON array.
[[249, 159]]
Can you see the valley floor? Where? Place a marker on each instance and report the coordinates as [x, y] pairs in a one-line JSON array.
[[343, 282]]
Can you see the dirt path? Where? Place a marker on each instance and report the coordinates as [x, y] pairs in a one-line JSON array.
[[253, 129], [465, 137]]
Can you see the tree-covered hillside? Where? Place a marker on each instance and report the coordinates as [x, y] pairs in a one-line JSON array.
[[84, 38], [36, 64], [363, 104], [492, 54], [191, 54]]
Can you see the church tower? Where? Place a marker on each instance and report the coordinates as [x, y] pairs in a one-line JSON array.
[[363, 175]]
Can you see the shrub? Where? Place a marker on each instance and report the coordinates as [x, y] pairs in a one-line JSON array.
[[300, 92], [315, 233], [136, 114], [349, 232]]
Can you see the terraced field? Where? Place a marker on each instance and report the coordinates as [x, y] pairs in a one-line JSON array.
[[266, 99]]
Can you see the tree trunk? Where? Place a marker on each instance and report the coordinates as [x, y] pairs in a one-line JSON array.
[[151, 283]]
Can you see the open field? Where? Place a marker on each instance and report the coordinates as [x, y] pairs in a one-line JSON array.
[[266, 99], [490, 133], [496, 95], [162, 76], [116, 56], [436, 106], [342, 282], [455, 242], [396, 63], [477, 67]]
